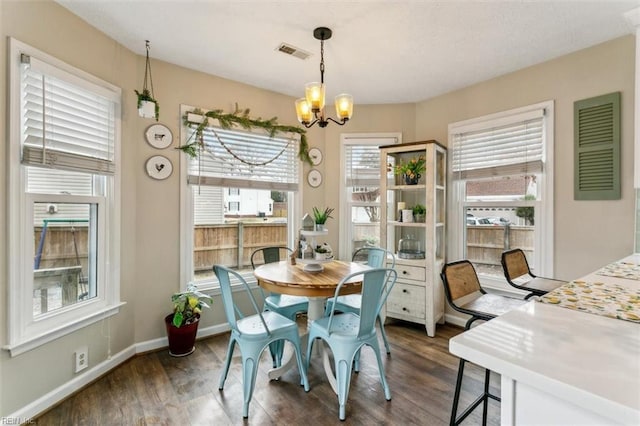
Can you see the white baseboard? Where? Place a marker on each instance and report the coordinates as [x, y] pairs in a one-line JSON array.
[[456, 319], [52, 398]]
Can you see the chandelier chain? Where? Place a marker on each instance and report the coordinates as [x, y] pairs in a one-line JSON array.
[[321, 61]]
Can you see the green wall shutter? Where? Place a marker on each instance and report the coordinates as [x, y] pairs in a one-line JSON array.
[[596, 124]]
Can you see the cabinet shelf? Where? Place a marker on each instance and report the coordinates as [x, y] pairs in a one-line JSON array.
[[407, 224], [418, 187]]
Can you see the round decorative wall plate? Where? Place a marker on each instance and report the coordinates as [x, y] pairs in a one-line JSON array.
[[316, 156], [314, 178], [159, 167], [158, 136]]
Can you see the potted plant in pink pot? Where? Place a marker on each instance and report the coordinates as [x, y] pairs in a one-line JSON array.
[[182, 324]]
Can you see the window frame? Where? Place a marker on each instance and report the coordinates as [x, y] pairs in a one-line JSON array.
[[346, 222], [187, 220], [544, 219], [25, 332]]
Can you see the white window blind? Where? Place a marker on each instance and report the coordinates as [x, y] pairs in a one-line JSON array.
[[362, 165], [273, 162], [512, 147], [68, 123]]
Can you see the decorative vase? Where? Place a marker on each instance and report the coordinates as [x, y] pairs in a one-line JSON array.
[[408, 180], [181, 339], [319, 226], [147, 109]]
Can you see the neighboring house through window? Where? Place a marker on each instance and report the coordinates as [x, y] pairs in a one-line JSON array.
[[63, 211], [241, 194], [502, 190]]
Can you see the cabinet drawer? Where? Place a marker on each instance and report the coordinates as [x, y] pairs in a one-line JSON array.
[[406, 300], [410, 272]]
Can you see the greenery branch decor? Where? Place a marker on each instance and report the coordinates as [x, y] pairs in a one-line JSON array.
[[239, 117]]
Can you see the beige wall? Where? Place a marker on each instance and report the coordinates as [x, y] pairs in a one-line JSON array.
[[588, 234], [150, 209]]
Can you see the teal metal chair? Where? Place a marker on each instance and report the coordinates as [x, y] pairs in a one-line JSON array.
[[376, 258], [284, 304], [253, 334], [347, 333]]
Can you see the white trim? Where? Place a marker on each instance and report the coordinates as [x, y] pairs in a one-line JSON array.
[[187, 216], [544, 241], [186, 211], [633, 19], [23, 331], [69, 327], [345, 227]]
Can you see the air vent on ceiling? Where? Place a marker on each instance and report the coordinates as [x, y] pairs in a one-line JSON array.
[[293, 51]]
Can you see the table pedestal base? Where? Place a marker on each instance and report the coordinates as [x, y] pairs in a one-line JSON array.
[[316, 311]]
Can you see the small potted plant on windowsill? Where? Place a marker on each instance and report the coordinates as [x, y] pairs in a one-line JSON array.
[[321, 216], [182, 324]]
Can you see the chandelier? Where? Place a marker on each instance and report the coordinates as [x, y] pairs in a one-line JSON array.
[[310, 109]]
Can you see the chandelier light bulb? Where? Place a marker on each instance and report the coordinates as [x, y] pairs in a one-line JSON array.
[[303, 110]]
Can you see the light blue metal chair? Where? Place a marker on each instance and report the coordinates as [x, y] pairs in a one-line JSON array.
[[376, 258], [347, 333], [284, 304], [253, 334]]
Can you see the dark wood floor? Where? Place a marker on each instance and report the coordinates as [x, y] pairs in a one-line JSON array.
[[158, 389]]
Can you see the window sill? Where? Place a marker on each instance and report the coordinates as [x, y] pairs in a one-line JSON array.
[[33, 342]]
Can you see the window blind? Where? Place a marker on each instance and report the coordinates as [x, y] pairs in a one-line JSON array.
[[362, 165], [362, 159], [68, 123], [272, 161], [514, 146]]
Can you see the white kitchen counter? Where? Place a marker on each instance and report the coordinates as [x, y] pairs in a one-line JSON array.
[[560, 366]]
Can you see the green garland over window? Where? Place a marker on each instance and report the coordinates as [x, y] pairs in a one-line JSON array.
[[241, 118]]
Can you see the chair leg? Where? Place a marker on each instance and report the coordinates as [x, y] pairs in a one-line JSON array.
[[343, 381], [227, 363], [485, 403], [484, 398], [383, 378], [384, 335], [304, 381], [249, 371], [356, 362], [310, 339], [456, 394], [276, 349]]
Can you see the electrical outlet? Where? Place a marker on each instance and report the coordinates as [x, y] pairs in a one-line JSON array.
[[82, 358]]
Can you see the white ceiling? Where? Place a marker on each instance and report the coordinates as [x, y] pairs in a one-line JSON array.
[[380, 52]]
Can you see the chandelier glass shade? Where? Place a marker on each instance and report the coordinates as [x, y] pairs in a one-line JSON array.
[[310, 109]]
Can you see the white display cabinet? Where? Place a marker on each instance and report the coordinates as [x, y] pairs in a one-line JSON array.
[[418, 295]]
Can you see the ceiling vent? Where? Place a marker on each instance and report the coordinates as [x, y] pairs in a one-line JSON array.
[[293, 51]]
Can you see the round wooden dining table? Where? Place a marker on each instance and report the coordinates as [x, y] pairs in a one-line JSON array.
[[284, 278]]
